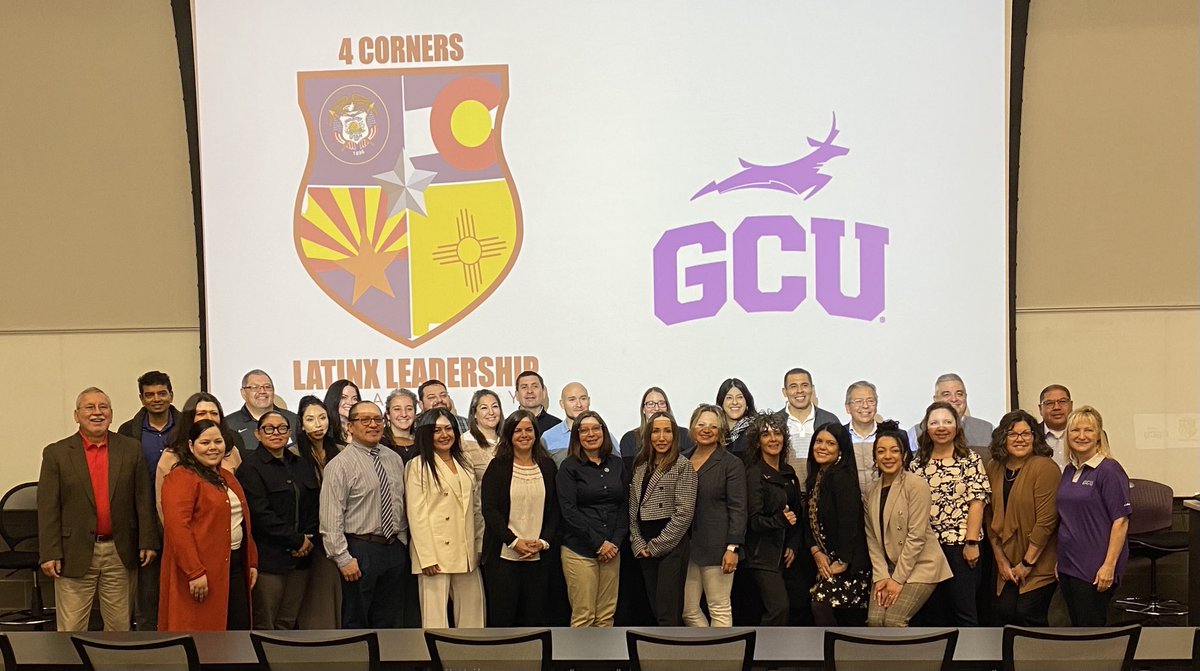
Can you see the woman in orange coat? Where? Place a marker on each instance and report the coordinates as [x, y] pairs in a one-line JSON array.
[[209, 560]]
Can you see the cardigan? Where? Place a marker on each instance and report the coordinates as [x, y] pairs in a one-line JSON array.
[[1030, 517], [497, 505]]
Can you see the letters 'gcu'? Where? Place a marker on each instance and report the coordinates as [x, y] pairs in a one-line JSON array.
[[712, 277]]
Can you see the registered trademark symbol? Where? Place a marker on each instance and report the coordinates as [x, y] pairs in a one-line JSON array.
[[882, 320]]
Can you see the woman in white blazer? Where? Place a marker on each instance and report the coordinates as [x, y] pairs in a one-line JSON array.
[[445, 523], [906, 560]]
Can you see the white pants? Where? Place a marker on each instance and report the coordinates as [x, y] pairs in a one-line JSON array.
[[716, 585], [435, 592]]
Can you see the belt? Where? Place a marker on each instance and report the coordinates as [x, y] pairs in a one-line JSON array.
[[374, 538], [103, 538]]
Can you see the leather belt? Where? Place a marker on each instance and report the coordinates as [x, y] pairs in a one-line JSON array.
[[103, 538], [374, 538]]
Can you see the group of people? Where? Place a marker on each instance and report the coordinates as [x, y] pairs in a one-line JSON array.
[[346, 514]]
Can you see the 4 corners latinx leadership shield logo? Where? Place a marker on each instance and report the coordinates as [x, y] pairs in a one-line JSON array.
[[406, 215]]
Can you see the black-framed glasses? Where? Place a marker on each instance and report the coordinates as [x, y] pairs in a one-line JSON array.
[[275, 429], [1023, 435], [1055, 402], [368, 421], [254, 388]]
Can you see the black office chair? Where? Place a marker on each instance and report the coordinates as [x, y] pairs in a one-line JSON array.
[[19, 529], [169, 654], [1151, 508], [728, 652], [347, 653], [6, 654], [852, 652], [524, 652], [1196, 651], [1069, 650]]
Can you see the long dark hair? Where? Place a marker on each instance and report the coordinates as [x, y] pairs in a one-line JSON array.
[[646, 454], [575, 447], [333, 398], [189, 461], [730, 383], [925, 443], [473, 422], [423, 431], [999, 444], [504, 448], [187, 418], [304, 444], [845, 460], [759, 423]]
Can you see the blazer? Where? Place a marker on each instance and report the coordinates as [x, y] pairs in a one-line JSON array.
[[196, 522], [768, 532], [907, 541], [1031, 517], [283, 496], [720, 518], [670, 495], [445, 523], [497, 505], [67, 504], [838, 513]]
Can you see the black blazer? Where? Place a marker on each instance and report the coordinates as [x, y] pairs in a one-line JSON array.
[[283, 496], [496, 503], [840, 514], [768, 533], [720, 517]]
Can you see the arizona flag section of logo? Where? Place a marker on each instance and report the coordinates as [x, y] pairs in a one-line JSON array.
[[407, 215]]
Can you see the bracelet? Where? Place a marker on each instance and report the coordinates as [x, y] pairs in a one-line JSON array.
[[1025, 563], [973, 544]]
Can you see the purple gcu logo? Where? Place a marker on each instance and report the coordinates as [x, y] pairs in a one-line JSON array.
[[798, 177]]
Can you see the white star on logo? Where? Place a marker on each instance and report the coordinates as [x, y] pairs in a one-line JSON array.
[[405, 186]]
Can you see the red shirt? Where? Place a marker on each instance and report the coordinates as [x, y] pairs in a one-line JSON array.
[[97, 461]]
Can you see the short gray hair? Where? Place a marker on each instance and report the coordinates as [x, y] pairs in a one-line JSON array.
[[861, 384], [256, 371], [91, 390]]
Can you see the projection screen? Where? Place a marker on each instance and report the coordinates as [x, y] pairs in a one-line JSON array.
[[623, 194]]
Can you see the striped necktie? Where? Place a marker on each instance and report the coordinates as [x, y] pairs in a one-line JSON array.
[[387, 516]]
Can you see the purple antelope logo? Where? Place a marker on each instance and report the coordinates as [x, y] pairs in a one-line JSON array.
[[803, 174], [735, 257]]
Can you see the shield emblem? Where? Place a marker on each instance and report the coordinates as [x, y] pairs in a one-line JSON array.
[[406, 215]]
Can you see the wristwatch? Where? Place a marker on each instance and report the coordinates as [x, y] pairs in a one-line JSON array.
[[973, 543], [1025, 563]]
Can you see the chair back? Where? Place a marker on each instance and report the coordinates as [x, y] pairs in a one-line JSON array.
[[730, 652], [347, 653], [169, 654], [1196, 650], [526, 652], [8, 661], [1062, 650], [899, 652], [1150, 506], [18, 516]]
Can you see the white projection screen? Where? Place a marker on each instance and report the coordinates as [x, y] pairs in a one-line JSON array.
[[624, 194]]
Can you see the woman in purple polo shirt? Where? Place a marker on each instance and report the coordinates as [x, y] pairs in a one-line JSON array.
[[1093, 511]]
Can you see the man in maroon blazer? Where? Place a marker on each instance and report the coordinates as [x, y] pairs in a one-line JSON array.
[[96, 519]]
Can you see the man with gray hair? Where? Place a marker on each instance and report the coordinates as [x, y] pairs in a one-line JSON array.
[[96, 518], [949, 388], [258, 392], [862, 403]]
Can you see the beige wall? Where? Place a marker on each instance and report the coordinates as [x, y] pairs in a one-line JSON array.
[[100, 279]]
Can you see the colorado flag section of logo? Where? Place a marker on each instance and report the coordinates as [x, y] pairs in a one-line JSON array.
[[406, 215]]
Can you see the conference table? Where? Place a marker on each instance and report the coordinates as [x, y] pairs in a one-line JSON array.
[[978, 648]]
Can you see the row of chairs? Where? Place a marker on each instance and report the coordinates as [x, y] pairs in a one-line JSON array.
[[1023, 650]]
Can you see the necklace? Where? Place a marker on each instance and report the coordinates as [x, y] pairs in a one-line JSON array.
[[1010, 476]]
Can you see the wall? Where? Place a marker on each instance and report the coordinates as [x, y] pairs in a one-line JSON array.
[[100, 281]]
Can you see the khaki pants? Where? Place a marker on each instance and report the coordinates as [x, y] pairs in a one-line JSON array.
[[106, 577], [716, 586], [592, 589]]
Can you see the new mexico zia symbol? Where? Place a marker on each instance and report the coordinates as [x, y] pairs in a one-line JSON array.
[[407, 216]]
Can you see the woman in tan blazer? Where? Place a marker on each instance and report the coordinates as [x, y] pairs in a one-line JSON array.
[[445, 524], [1023, 520], [906, 560]]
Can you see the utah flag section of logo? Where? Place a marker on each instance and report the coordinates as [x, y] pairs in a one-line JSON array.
[[406, 215]]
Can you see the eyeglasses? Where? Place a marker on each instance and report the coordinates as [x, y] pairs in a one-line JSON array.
[[368, 421], [276, 429], [589, 430], [92, 407], [1054, 403], [652, 405], [255, 388], [863, 403], [1024, 435]]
